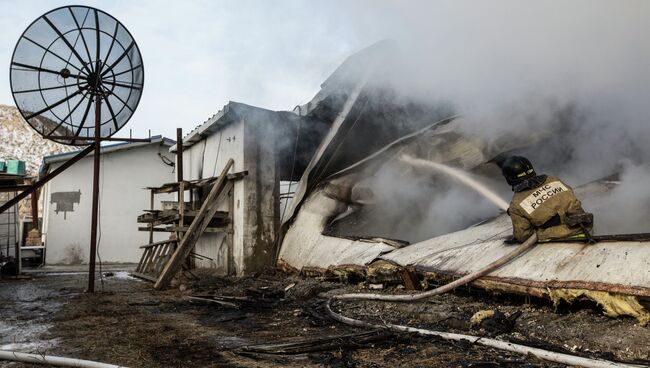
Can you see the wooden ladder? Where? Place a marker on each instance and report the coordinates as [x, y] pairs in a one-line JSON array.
[[154, 257], [219, 191]]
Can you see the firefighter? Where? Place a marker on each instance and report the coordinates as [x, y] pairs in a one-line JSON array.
[[543, 204]]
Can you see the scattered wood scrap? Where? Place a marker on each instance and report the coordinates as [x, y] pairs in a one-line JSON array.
[[327, 343], [252, 302], [214, 300]]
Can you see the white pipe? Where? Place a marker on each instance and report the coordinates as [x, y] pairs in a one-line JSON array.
[[550, 356], [53, 360]]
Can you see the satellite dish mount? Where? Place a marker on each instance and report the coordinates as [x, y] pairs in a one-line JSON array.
[[68, 61]]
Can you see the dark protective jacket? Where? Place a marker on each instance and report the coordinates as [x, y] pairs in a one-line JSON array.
[[544, 209]]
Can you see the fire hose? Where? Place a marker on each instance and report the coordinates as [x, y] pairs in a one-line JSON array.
[[52, 360], [493, 343]]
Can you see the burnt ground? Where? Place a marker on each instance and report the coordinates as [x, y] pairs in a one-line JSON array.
[[130, 324]]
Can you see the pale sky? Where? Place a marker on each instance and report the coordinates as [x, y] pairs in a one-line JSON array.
[[198, 55]]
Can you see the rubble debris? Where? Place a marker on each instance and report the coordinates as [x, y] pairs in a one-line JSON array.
[[494, 322], [357, 340], [410, 279], [265, 292], [254, 302], [479, 316], [163, 329], [380, 272], [214, 300], [614, 305], [9, 268]]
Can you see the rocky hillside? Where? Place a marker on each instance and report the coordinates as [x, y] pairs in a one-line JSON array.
[[19, 141]]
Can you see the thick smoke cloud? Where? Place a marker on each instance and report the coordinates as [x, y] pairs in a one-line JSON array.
[[572, 75]]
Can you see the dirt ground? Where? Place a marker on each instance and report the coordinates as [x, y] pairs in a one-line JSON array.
[[128, 323]]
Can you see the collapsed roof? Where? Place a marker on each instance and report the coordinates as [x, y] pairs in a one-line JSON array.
[[340, 222]]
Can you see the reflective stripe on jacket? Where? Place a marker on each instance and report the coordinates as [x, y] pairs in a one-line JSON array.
[[534, 209]]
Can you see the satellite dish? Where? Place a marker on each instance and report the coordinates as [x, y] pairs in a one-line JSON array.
[[64, 63], [68, 60]]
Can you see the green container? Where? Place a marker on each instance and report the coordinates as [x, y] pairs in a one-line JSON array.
[[16, 167], [3, 166]]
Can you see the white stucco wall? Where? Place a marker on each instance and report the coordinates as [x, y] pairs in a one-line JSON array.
[[123, 176], [207, 160]]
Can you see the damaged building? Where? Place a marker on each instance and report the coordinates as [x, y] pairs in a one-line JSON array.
[[268, 149], [344, 222], [472, 194]]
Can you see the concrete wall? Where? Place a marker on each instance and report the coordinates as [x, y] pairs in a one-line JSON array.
[[207, 159], [255, 197], [262, 194], [123, 176]]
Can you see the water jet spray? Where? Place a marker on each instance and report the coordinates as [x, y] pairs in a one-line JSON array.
[[461, 177]]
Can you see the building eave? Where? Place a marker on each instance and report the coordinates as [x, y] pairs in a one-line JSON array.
[[61, 157]]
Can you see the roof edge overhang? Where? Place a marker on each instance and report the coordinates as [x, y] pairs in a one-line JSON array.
[[60, 157], [230, 113]]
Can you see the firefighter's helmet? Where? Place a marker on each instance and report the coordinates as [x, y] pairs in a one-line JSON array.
[[517, 169]]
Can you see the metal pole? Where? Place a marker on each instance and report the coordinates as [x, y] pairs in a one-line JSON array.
[[181, 184], [16, 240], [95, 208], [179, 154], [35, 210]]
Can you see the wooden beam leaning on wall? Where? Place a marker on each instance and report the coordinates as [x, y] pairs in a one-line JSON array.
[[201, 221]]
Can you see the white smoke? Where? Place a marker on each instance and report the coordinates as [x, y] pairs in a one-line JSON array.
[[574, 72], [627, 208]]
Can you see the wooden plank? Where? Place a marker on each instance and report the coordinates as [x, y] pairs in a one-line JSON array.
[[155, 229], [159, 262], [143, 276], [171, 229], [158, 243], [410, 278], [208, 209], [214, 301], [144, 253], [152, 262], [156, 220], [230, 265], [152, 206], [181, 207], [168, 216], [217, 215], [194, 184], [147, 259], [213, 230]]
